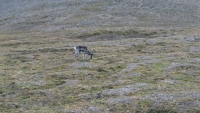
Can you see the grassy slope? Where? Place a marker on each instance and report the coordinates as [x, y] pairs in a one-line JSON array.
[[135, 69], [50, 15]]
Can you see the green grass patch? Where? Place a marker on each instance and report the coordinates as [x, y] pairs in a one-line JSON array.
[[158, 68], [23, 98], [150, 74], [184, 77], [68, 100], [107, 70], [143, 106], [161, 109]]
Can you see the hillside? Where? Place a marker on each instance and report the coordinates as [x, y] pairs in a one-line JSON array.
[[146, 56], [51, 15]]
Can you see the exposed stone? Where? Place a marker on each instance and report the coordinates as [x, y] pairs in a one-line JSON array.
[[124, 90], [130, 67], [169, 81], [83, 64], [131, 75], [195, 49], [92, 109], [122, 100]]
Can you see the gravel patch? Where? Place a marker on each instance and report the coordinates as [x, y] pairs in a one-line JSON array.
[[69, 83], [39, 82], [169, 81], [147, 59], [195, 49], [131, 75], [194, 38], [36, 79], [130, 67], [118, 82], [37, 76], [154, 41], [89, 109], [173, 56], [187, 105], [48, 94], [92, 109], [160, 98], [74, 111], [133, 66], [151, 61], [123, 91], [195, 60], [30, 83], [188, 69], [122, 100], [83, 64], [179, 66], [144, 57], [86, 97]]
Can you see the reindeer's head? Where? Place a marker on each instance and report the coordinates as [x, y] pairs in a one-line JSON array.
[[91, 54]]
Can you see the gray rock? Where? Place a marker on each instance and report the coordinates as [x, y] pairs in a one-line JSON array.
[[92, 109], [85, 96], [144, 57], [160, 98], [36, 77], [195, 60], [122, 100], [147, 59], [187, 105], [179, 66], [169, 81], [123, 91], [83, 64], [195, 49], [130, 67]]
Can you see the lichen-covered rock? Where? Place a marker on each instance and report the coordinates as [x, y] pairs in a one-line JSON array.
[[83, 64], [123, 91]]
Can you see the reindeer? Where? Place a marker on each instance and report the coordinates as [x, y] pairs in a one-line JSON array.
[[84, 50]]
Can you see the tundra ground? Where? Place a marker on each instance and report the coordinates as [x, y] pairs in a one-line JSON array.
[[133, 70]]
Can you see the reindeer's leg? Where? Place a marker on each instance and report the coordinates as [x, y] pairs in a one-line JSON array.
[[84, 56], [78, 56], [75, 56]]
